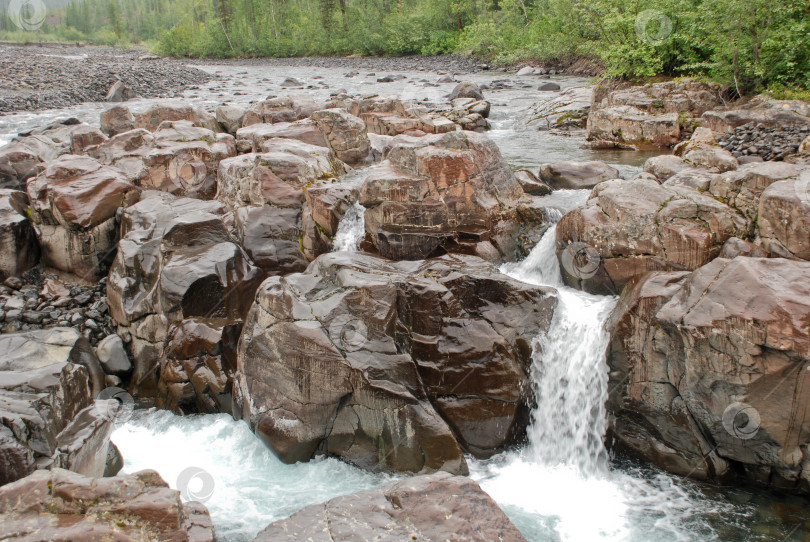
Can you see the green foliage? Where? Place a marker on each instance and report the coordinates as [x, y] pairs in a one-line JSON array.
[[750, 45]]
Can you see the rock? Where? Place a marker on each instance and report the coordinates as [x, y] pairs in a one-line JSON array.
[[292, 82], [84, 137], [741, 189], [324, 207], [25, 158], [712, 370], [526, 70], [629, 227], [119, 92], [548, 87], [19, 249], [434, 507], [230, 117], [566, 111], [737, 247], [577, 175], [345, 134], [117, 120], [63, 506], [157, 114], [305, 131], [445, 79], [765, 114], [702, 152], [46, 378], [83, 446], [466, 89], [175, 261], [689, 98], [433, 190], [665, 166], [626, 126], [74, 204], [783, 220], [196, 370], [376, 339], [113, 356], [531, 184], [281, 109]]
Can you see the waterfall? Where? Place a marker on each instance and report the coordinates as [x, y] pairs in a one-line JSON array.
[[351, 229]]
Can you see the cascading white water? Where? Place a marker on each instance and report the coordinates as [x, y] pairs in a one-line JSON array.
[[351, 229]]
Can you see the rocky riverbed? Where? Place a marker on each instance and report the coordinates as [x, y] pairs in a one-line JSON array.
[[409, 273]]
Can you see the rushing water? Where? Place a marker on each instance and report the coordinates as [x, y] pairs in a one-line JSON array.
[[562, 485]]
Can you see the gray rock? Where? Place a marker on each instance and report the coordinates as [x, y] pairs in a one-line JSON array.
[[113, 356], [466, 89], [577, 175], [119, 92]]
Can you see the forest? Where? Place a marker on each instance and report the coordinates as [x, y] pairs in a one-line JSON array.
[[749, 45]]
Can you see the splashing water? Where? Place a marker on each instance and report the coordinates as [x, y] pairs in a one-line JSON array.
[[351, 229]]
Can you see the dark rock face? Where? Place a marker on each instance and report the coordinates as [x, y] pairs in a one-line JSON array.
[[196, 371], [390, 366], [175, 260], [531, 184], [634, 226], [436, 507], [47, 378], [19, 249], [25, 157], [62, 506], [434, 192], [74, 203], [710, 370]]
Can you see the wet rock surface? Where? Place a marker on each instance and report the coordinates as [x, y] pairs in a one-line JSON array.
[[63, 506], [360, 351], [435, 507]]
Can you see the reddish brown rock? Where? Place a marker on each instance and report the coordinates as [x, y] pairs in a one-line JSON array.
[[19, 248], [117, 120], [437, 507], [356, 364], [783, 220], [280, 109], [256, 135], [74, 204], [62, 506], [345, 134], [577, 175]]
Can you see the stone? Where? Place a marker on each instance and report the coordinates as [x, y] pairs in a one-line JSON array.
[[432, 188], [577, 175], [711, 366], [84, 445], [24, 158], [19, 249], [765, 114], [742, 188], [392, 366], [466, 89], [345, 134], [230, 117], [119, 92], [292, 82], [531, 184], [703, 152], [629, 227], [305, 131], [665, 166], [738, 247], [197, 368], [783, 218], [435, 507], [175, 260], [566, 111], [548, 87], [117, 120], [113, 356], [63, 506], [46, 378], [280, 109], [74, 204], [84, 137], [158, 113], [626, 126]]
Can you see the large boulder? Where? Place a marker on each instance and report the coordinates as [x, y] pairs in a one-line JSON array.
[[703, 152], [74, 205], [783, 220], [390, 366], [466, 89], [157, 114], [436, 507], [628, 227], [230, 117], [577, 175], [25, 157], [566, 111], [710, 372], [19, 249], [627, 127], [62, 506], [267, 193], [435, 192], [175, 260], [47, 378], [279, 109], [771, 113], [690, 98], [117, 120], [256, 135], [345, 134], [742, 188]]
